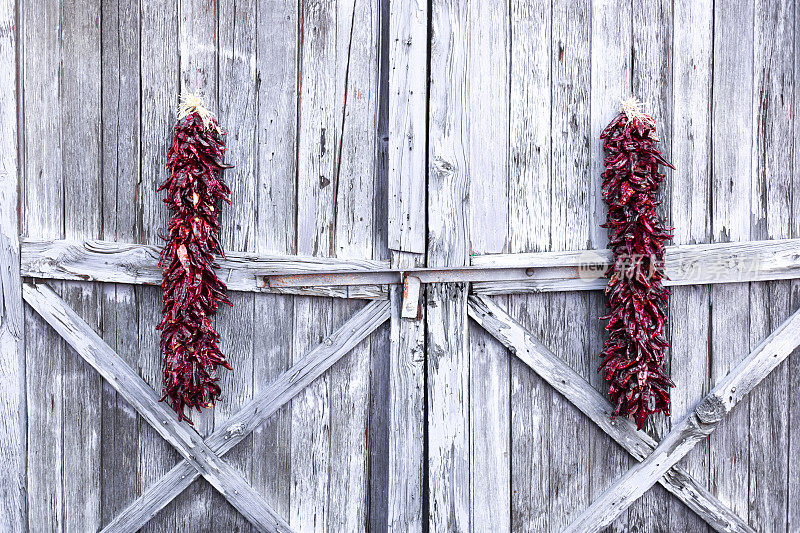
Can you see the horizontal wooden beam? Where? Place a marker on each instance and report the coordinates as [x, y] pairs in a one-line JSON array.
[[144, 399], [254, 412], [693, 428], [692, 264], [594, 405], [112, 262]]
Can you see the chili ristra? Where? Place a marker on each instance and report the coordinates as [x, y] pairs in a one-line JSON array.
[[633, 357], [192, 291]]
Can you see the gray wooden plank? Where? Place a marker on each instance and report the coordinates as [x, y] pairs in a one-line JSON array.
[[529, 231], [701, 421], [318, 125], [771, 190], [613, 48], [42, 216], [793, 499], [357, 71], [120, 175], [408, 79], [571, 227], [595, 405], [145, 400], [488, 57], [81, 106], [13, 508], [239, 117], [198, 43], [276, 88], [286, 386], [652, 83], [448, 240], [732, 125], [689, 191], [160, 75]]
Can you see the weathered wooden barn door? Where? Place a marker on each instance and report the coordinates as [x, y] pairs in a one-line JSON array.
[[393, 134], [297, 87], [517, 94]]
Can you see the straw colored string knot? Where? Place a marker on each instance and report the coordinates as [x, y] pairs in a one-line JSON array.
[[632, 108], [193, 103]]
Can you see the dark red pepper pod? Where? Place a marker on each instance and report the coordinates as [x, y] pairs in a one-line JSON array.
[[192, 291], [633, 357]]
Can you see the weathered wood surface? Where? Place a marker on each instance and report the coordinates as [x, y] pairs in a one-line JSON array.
[[12, 314], [408, 103], [82, 338], [255, 412], [701, 421], [597, 408]]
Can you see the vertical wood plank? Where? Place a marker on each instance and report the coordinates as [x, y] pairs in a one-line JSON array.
[[793, 500], [487, 164], [408, 79], [80, 131], [689, 190], [237, 115], [198, 42], [354, 191], [160, 86], [732, 128], [529, 211], [276, 88], [43, 215], [773, 92], [407, 185], [613, 42], [12, 313], [571, 210], [311, 416], [448, 212], [651, 82], [120, 175]]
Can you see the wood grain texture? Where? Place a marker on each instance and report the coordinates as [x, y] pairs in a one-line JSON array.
[[529, 230], [487, 164], [256, 411], [448, 239], [700, 422], [771, 210], [614, 49], [577, 390], [144, 399], [159, 88], [12, 314], [80, 96], [408, 82], [276, 89], [732, 125], [120, 76], [689, 191], [42, 215]]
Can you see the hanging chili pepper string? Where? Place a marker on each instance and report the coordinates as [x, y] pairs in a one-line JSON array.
[[192, 291], [633, 357]]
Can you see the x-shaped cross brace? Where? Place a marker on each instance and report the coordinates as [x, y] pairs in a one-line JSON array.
[[659, 463], [200, 457]]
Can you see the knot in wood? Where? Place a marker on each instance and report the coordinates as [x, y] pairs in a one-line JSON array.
[[710, 410]]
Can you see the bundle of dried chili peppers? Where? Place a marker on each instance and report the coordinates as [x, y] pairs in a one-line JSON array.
[[633, 357], [192, 290]]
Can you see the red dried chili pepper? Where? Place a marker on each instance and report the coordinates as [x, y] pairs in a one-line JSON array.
[[633, 358], [192, 290]]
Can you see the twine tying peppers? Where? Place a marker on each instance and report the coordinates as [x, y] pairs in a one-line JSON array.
[[192, 290], [633, 357]]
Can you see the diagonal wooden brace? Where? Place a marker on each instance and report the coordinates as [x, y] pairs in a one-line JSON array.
[[144, 399], [693, 428], [594, 405], [252, 414]]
